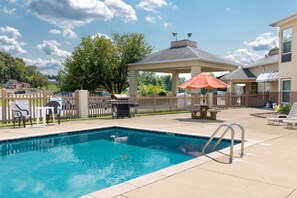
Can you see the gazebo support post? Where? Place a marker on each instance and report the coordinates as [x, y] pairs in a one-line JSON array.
[[175, 83], [133, 74], [195, 70]]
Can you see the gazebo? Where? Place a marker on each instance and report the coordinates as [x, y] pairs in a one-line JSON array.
[[182, 57]]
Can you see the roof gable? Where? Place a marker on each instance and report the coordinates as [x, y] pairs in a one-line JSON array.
[[239, 74], [12, 82]]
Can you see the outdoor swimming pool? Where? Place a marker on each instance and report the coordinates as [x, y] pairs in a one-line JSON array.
[[75, 164]]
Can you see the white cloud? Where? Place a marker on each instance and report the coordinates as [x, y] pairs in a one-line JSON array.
[[151, 5], [68, 33], [9, 11], [10, 30], [149, 19], [9, 42], [10, 45], [74, 13], [265, 41], [100, 35], [11, 1], [244, 56], [228, 9], [55, 31], [122, 10], [173, 6], [166, 25], [257, 49], [68, 43], [51, 48], [51, 66]]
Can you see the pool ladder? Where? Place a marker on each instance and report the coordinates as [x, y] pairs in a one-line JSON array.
[[228, 127]]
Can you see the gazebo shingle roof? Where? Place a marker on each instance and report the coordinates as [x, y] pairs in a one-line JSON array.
[[184, 53]]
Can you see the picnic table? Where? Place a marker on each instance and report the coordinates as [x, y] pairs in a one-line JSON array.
[[203, 109]]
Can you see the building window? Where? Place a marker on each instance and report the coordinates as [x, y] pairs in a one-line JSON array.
[[287, 45], [286, 90]]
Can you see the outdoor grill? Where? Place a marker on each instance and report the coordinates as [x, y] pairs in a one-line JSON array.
[[121, 104]]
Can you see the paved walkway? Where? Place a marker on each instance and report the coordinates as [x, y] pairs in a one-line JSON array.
[[268, 169]]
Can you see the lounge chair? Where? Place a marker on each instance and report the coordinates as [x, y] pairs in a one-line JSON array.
[[292, 122], [281, 117], [56, 112], [19, 114]]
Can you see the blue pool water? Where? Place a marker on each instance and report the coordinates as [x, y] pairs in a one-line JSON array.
[[74, 164]]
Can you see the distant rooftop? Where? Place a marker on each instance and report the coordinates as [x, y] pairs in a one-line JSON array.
[[239, 74], [264, 61], [184, 50]]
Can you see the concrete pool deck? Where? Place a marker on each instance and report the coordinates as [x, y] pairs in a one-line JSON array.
[[268, 168]]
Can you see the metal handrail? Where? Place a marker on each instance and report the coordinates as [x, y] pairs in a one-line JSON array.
[[242, 137], [228, 126], [226, 130]]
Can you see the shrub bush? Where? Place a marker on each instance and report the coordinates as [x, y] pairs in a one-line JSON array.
[[283, 109]]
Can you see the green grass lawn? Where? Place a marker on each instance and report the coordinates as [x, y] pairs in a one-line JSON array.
[[53, 87]]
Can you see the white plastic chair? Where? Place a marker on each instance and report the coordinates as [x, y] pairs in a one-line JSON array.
[[19, 114]]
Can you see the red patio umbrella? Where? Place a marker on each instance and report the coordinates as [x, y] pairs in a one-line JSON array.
[[203, 80]]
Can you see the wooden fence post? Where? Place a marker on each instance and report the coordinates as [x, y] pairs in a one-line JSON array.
[[3, 106], [185, 101], [170, 102], [77, 103], [44, 97], [155, 101]]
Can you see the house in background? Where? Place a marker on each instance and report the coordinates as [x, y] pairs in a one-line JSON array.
[[287, 59], [26, 85], [259, 77], [277, 72], [13, 84], [267, 72], [240, 81]]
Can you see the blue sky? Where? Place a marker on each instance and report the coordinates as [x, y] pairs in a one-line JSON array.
[[44, 33]]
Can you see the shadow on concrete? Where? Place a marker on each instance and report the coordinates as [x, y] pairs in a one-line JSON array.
[[199, 120]]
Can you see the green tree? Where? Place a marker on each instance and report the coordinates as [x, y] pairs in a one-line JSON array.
[[128, 48], [102, 62], [16, 68], [166, 82], [40, 80], [148, 90], [147, 78], [87, 67]]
